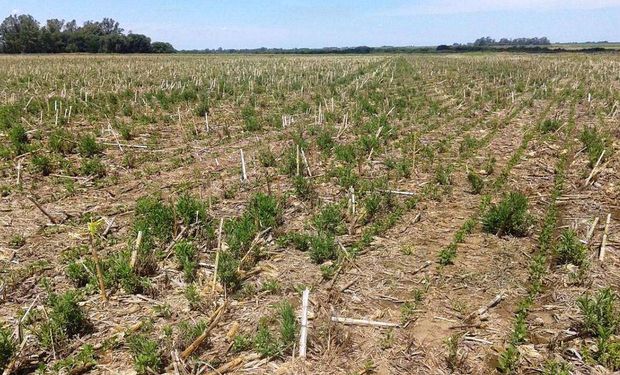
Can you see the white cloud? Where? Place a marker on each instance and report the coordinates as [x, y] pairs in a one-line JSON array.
[[16, 11], [426, 7]]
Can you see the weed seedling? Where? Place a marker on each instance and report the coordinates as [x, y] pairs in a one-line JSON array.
[[570, 249], [264, 342], [288, 324], [476, 182], [241, 343], [509, 217], [227, 271], [65, 319], [7, 347], [323, 248], [42, 164], [146, 354], [88, 146], [186, 255], [330, 220]]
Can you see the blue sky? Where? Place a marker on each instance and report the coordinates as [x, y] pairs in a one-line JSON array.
[[189, 24]]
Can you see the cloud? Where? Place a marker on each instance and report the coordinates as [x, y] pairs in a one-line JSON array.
[[16, 11], [428, 7]]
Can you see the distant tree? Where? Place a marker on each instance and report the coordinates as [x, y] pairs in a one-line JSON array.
[[113, 43], [20, 34], [162, 47], [110, 27], [52, 40], [138, 43], [488, 41]]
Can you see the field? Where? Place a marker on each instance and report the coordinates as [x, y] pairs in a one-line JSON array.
[[448, 214], [611, 45]]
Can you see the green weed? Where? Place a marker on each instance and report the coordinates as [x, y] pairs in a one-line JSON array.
[[330, 220], [510, 216], [570, 249], [476, 182], [187, 256], [7, 347], [42, 164], [323, 248], [88, 146], [146, 354]]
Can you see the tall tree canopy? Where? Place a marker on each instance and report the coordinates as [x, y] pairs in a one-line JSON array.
[[23, 34]]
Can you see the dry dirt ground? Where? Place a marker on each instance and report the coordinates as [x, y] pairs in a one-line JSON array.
[[453, 113]]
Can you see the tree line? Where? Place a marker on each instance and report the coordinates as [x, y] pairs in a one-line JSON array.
[[488, 41], [24, 34]]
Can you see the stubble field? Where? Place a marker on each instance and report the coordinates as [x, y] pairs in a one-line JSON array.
[[447, 214]]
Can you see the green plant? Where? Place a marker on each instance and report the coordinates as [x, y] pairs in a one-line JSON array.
[[549, 125], [227, 270], [202, 108], [241, 343], [454, 359], [271, 286], [403, 168], [81, 361], [508, 360], [376, 203], [476, 182], [193, 297], [447, 254], [17, 241], [304, 188], [346, 153], [187, 257], [19, 139], [264, 342], [126, 132], [118, 272], [188, 332], [93, 167], [193, 211], [510, 216], [322, 248], [155, 219], [250, 119], [468, 144], [8, 116], [600, 315], [328, 270], [299, 241], [7, 347], [594, 143], [42, 164], [79, 273], [325, 139], [608, 354], [146, 355], [265, 210], [346, 177], [61, 141], [489, 165], [288, 324], [554, 367], [570, 249], [266, 157], [88, 146], [443, 175], [330, 219], [65, 319]]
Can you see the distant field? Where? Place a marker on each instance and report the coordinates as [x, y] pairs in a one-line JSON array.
[[164, 214], [586, 45]]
